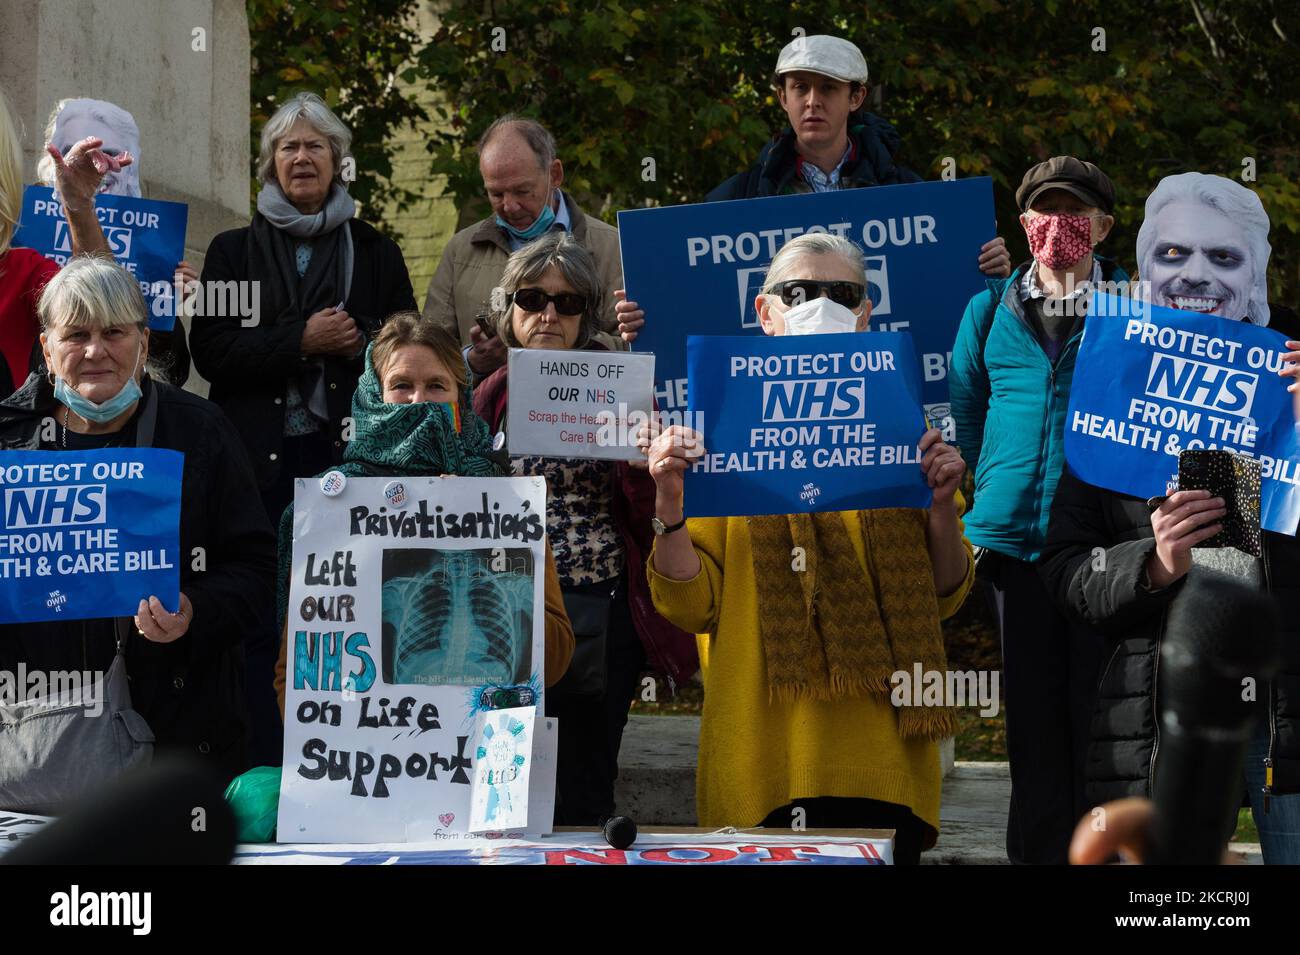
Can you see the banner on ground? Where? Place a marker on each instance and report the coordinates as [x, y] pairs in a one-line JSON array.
[[1151, 381], [415, 603], [696, 269], [17, 826], [88, 534], [578, 404], [868, 847], [146, 237], [805, 423]]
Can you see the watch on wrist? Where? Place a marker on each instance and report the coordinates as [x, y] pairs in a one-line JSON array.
[[660, 528]]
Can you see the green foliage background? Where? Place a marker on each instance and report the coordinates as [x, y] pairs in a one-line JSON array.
[[996, 85]]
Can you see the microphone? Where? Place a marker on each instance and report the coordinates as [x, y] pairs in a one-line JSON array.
[[619, 831], [1219, 635], [171, 812]]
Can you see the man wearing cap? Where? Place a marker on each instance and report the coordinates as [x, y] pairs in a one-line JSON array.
[[1010, 389], [830, 143]]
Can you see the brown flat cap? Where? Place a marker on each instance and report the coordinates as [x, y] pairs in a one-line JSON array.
[[1079, 178]]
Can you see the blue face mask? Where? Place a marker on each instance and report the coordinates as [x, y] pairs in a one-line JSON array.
[[544, 222], [99, 413]]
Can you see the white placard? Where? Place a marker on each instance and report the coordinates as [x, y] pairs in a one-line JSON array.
[[541, 781], [411, 609], [578, 404], [503, 760]]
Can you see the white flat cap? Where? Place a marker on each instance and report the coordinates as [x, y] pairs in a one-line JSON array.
[[828, 55]]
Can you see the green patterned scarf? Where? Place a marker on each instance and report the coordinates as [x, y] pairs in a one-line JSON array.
[[401, 439]]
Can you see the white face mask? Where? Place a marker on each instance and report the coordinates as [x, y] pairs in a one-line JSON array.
[[819, 317]]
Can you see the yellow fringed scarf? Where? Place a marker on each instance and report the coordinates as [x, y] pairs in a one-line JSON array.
[[830, 631]]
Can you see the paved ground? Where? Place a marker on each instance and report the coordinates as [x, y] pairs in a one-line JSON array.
[[657, 787]]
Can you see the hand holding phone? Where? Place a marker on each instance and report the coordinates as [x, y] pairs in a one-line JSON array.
[[1236, 479]]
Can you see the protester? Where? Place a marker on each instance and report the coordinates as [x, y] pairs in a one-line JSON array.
[[522, 177], [831, 143], [326, 281], [1114, 563], [184, 660], [413, 413], [73, 120], [799, 727], [285, 376], [24, 272], [1010, 390], [598, 521]]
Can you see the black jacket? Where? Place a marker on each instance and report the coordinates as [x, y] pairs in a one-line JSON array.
[[249, 368], [1105, 591], [190, 691], [876, 143]]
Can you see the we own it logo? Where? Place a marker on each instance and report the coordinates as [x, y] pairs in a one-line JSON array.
[[56, 600], [809, 493]]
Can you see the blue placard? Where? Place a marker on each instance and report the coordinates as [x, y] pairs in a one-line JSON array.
[[146, 236], [804, 423], [88, 534], [696, 269], [1151, 381]]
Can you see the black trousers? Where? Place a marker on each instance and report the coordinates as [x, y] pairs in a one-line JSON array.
[[591, 728], [302, 456], [837, 812], [1049, 679]]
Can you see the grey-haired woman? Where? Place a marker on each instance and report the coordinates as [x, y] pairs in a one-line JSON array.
[[318, 283], [598, 522], [183, 654]]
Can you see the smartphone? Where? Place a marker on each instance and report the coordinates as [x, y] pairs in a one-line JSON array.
[[1236, 479], [485, 326]]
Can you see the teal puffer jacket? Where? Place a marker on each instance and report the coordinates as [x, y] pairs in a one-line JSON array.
[[1009, 403]]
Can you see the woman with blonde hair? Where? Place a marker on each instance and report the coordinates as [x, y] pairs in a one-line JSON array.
[[414, 416], [24, 272]]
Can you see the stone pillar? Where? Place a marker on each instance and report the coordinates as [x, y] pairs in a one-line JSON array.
[[180, 67]]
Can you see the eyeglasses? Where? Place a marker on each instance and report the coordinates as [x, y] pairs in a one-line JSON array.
[[798, 291], [535, 299]]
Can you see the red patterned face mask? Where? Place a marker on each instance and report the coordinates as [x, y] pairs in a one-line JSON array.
[[1058, 240]]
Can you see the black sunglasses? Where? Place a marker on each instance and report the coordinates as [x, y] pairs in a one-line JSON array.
[[798, 291], [535, 299]]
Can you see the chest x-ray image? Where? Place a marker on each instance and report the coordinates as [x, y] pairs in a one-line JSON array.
[[1203, 247], [459, 617]]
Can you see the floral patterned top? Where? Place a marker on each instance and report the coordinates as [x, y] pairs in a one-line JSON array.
[[579, 517]]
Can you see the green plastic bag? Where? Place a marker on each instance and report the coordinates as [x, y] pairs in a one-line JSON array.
[[254, 798]]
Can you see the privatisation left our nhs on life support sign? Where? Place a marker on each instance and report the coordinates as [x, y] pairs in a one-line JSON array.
[[146, 237], [88, 534]]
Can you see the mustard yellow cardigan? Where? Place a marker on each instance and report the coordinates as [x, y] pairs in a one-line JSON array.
[[757, 755]]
